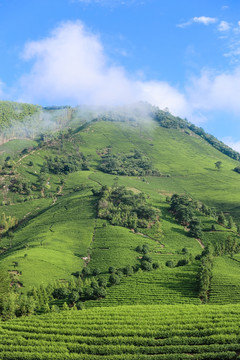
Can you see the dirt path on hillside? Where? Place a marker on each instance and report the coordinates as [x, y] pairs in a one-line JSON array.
[[30, 153], [200, 243]]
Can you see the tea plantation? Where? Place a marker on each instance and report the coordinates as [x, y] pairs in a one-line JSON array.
[[126, 332], [119, 238]]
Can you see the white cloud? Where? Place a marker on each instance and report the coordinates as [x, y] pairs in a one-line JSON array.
[[215, 91], [71, 67], [224, 26], [205, 20]]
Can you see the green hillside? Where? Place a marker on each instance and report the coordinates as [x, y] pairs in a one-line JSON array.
[[185, 162], [130, 216]]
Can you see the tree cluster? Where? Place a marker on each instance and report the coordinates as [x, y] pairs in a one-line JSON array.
[[7, 223], [18, 186], [182, 262], [124, 208], [205, 273], [228, 246], [64, 164], [133, 164], [81, 291], [13, 303], [184, 210]]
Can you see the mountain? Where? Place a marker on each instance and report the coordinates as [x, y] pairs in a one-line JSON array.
[[114, 207]]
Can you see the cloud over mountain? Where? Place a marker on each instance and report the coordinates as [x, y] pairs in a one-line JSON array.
[[71, 66]]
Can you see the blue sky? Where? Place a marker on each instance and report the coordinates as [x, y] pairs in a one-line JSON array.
[[180, 54]]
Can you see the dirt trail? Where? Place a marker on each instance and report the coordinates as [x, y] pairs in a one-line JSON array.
[[200, 243], [148, 237], [30, 153]]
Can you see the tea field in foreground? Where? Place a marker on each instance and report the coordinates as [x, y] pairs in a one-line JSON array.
[[169, 332]]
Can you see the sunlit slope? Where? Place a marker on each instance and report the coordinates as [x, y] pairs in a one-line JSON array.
[[225, 287], [59, 231], [52, 244], [127, 332], [188, 159]]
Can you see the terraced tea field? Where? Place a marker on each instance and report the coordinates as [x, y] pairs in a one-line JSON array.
[[51, 245], [225, 286], [180, 332], [161, 286]]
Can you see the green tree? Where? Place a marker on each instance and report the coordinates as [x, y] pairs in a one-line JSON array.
[[114, 279], [238, 229], [213, 228], [65, 307], [100, 292], [46, 308], [230, 223], [146, 266], [111, 269], [169, 263], [128, 270], [86, 271], [4, 286], [221, 219], [102, 282], [218, 165], [96, 271], [195, 229], [73, 297]]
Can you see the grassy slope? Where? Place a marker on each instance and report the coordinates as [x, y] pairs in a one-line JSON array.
[[190, 162], [55, 241], [225, 287], [188, 159]]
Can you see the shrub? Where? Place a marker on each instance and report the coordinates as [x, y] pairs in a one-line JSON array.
[[114, 279], [100, 292], [146, 258], [170, 263], [80, 305], [88, 293], [94, 284], [128, 270], [111, 270], [182, 262], [60, 293], [96, 272], [145, 249], [86, 271], [73, 296], [146, 266], [136, 267], [139, 248], [102, 282]]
